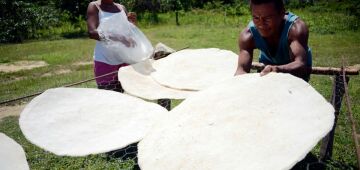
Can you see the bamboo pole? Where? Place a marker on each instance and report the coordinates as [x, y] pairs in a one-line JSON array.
[[336, 100], [318, 70], [255, 65], [355, 135], [68, 85]]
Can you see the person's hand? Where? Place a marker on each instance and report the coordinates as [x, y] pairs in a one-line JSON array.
[[268, 69], [128, 42], [132, 17]]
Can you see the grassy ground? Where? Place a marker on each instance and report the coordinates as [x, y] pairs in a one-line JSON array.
[[329, 41]]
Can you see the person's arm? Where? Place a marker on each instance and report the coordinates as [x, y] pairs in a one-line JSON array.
[[298, 39], [92, 21], [246, 46], [131, 16]]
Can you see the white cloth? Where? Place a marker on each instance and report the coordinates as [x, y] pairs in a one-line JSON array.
[[123, 41], [101, 53]]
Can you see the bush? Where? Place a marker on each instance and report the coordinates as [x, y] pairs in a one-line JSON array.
[[20, 20]]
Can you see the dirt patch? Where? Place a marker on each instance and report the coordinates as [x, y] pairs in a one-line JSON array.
[[6, 111], [57, 72], [21, 65], [356, 66], [83, 63], [15, 79]]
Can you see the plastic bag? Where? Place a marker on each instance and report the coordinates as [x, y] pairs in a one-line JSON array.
[[124, 40]]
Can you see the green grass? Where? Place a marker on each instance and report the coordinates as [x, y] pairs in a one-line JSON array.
[[59, 54], [331, 39], [40, 159]]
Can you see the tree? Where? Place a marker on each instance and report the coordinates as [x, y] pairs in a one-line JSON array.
[[175, 5], [152, 6], [20, 19], [76, 8]]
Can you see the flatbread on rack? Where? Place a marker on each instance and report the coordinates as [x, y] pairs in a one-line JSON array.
[[83, 121], [195, 69], [246, 122], [136, 81], [12, 155]]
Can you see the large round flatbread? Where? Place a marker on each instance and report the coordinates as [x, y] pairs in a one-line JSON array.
[[80, 121], [12, 155], [246, 122], [136, 81], [195, 69]]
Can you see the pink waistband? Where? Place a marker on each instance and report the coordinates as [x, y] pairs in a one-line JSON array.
[[101, 69]]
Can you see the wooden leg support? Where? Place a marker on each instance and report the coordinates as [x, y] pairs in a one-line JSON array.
[[336, 99]]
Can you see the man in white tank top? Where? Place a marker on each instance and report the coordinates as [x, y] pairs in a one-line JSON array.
[[103, 65]]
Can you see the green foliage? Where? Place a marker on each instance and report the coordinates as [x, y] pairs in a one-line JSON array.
[[236, 8], [20, 20], [67, 29], [323, 22], [172, 5], [56, 19], [321, 15], [76, 9], [129, 4], [347, 7]]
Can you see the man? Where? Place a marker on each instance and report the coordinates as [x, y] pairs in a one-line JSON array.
[[281, 37]]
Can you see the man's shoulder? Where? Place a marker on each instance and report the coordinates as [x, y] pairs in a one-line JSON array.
[[299, 23], [298, 29], [246, 34], [246, 39]]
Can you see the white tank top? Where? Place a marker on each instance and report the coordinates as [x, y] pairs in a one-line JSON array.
[[101, 54]]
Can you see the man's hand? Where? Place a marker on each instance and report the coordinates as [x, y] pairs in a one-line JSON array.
[[268, 69]]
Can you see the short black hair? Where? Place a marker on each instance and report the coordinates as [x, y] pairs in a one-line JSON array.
[[279, 4]]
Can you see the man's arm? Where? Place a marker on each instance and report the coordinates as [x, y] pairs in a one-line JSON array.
[[246, 46], [298, 39]]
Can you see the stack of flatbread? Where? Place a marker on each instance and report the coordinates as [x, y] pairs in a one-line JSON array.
[[179, 74], [245, 122], [83, 121], [225, 121], [12, 155]]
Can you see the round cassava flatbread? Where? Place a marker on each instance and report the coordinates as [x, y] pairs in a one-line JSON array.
[[195, 69], [12, 155], [246, 122], [82, 121], [136, 81]]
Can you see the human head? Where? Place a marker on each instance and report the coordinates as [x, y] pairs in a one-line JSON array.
[[278, 4], [107, 1], [268, 16]]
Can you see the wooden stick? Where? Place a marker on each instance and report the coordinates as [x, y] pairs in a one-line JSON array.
[[317, 70], [68, 85], [352, 120], [327, 142]]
